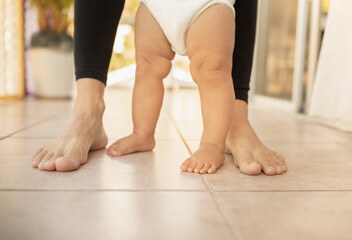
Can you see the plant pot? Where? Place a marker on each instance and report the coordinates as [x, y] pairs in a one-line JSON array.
[[52, 64]]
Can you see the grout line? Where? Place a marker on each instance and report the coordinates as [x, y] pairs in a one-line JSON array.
[[205, 181], [31, 125], [178, 131], [194, 140], [234, 233], [265, 140], [101, 190], [283, 191], [110, 138], [167, 190]]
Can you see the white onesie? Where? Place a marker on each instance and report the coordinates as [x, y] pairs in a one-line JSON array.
[[176, 16]]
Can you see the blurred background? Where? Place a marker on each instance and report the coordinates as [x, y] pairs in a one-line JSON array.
[[36, 49]]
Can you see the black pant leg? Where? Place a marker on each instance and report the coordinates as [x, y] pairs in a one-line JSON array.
[[246, 19], [95, 25]]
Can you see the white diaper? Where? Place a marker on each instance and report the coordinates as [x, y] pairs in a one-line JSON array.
[[176, 16]]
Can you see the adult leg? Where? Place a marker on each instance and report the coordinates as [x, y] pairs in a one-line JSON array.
[[153, 60], [95, 29], [250, 154], [210, 42]]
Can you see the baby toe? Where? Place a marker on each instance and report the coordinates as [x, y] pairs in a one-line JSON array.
[[185, 164], [199, 167], [205, 168], [192, 165], [212, 169]]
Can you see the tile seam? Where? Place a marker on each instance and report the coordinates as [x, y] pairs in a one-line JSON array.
[[212, 194], [30, 126], [235, 234], [102, 190]]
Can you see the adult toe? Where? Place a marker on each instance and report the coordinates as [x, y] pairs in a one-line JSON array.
[[267, 166], [247, 164], [45, 159], [50, 164], [37, 160], [64, 164]]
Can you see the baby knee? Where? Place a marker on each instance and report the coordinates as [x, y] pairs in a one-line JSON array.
[[211, 68], [155, 68]]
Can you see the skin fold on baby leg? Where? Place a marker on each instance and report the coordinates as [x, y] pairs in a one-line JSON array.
[[210, 43], [153, 60]]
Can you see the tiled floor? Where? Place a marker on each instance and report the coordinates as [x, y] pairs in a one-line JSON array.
[[145, 196]]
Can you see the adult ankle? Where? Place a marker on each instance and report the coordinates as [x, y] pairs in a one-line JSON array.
[[90, 96], [89, 107]]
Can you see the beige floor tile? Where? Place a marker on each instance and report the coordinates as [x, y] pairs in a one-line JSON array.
[[289, 215], [110, 215], [149, 170], [165, 130], [311, 166], [17, 115], [277, 129], [118, 104], [184, 108], [123, 110], [22, 114], [116, 111], [281, 127], [34, 107], [184, 105], [115, 128], [189, 129], [145, 196], [10, 124]]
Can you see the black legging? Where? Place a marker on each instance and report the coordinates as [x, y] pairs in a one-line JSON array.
[[95, 29]]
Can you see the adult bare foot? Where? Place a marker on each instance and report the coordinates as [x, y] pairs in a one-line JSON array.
[[250, 155], [85, 132], [130, 144], [207, 159]]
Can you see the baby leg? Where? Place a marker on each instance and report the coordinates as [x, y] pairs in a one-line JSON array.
[[153, 60], [210, 44]]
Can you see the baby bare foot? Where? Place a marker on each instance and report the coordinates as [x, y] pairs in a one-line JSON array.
[[130, 144], [70, 150], [207, 159]]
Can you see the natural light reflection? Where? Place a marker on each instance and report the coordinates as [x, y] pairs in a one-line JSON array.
[[11, 54]]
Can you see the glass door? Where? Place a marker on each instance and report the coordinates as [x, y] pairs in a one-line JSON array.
[[280, 53]]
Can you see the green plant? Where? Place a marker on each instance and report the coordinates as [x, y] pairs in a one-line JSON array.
[[55, 12]]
